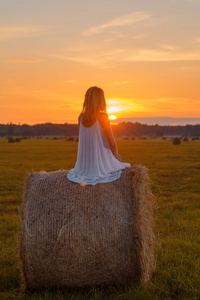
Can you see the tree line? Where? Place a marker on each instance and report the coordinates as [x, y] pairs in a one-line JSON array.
[[122, 129]]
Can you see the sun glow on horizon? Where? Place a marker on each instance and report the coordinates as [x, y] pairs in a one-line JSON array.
[[113, 109], [119, 108], [112, 117]]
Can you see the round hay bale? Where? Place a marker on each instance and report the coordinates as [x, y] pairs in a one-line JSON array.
[[176, 141], [17, 140], [11, 140], [185, 139], [70, 139], [76, 236]]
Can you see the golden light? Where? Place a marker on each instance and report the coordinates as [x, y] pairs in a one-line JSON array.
[[113, 109], [112, 117]]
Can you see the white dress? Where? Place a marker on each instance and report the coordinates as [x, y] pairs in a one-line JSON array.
[[95, 161]]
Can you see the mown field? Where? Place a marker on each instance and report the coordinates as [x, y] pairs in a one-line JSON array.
[[175, 174]]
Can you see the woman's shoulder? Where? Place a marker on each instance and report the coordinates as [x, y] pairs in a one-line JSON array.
[[103, 119], [103, 115]]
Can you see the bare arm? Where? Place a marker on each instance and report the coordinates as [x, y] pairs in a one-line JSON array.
[[105, 124]]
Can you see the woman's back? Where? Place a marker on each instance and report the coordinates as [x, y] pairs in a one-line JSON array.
[[95, 160]]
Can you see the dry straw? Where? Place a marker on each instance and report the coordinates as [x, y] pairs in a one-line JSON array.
[[77, 236]]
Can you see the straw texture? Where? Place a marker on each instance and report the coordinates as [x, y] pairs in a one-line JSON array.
[[77, 236]]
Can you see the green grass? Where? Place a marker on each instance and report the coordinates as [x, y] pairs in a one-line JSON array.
[[175, 173]]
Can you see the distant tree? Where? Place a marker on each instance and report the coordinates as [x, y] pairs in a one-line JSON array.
[[2, 134], [159, 133], [27, 132], [10, 130]]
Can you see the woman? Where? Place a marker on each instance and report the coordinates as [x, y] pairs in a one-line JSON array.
[[98, 159]]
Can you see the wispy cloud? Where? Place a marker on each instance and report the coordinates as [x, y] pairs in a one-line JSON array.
[[69, 81], [158, 55], [118, 22], [108, 58], [100, 57], [41, 91], [11, 32], [120, 82], [107, 55], [29, 60], [169, 47]]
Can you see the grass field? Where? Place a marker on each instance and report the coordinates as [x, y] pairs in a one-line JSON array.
[[175, 174]]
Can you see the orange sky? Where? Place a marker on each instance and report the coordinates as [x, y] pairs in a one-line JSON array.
[[145, 57]]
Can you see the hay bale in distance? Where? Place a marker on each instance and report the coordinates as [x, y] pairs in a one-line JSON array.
[[185, 139], [11, 140], [17, 140], [78, 236], [176, 141], [70, 139]]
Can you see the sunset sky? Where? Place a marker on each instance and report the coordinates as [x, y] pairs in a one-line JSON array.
[[145, 54]]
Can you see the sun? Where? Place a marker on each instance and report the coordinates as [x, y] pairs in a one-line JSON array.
[[114, 108], [112, 117]]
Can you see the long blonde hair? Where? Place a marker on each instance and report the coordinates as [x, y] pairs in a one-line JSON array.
[[93, 104]]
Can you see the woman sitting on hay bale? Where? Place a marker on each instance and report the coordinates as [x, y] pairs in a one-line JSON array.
[[101, 234], [98, 159]]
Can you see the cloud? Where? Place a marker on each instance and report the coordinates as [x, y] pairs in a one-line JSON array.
[[40, 91], [108, 58], [157, 55], [169, 47], [69, 81], [120, 82], [105, 55], [118, 22], [11, 32], [92, 56], [29, 60]]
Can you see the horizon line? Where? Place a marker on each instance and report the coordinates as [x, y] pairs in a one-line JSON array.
[[161, 121]]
